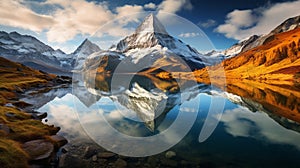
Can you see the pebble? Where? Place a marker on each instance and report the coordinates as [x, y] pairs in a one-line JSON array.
[[106, 155], [94, 158], [89, 152], [170, 154]]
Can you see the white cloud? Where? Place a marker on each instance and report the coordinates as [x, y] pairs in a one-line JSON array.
[[14, 13], [241, 24], [188, 35], [77, 17], [150, 5], [208, 23], [69, 18], [172, 6]]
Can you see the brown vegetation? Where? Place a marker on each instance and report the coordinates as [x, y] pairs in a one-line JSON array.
[[15, 79]]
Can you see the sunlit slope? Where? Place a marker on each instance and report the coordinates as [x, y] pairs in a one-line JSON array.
[[276, 60]]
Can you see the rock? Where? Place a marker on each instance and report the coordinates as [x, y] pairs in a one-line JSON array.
[[170, 154], [102, 161], [169, 162], [61, 161], [58, 140], [152, 161], [64, 150], [9, 105], [4, 128], [89, 152], [39, 116], [120, 163], [10, 114], [94, 158], [38, 149], [19, 90], [106, 155], [21, 104], [73, 161]]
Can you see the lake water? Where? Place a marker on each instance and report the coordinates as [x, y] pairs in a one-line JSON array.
[[241, 130]]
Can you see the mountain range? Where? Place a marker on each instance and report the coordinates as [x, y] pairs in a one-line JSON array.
[[150, 48]]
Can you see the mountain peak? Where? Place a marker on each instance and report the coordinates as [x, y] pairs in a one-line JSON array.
[[86, 48], [151, 24]]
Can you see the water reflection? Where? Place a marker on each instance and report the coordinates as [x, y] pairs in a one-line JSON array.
[[280, 100], [240, 122], [261, 121]]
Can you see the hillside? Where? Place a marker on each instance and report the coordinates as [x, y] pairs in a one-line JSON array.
[[275, 61], [17, 126]]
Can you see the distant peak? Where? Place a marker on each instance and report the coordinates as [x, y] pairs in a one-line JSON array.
[[151, 24], [87, 47], [14, 33]]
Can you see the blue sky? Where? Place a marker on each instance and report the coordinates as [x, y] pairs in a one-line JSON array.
[[65, 24]]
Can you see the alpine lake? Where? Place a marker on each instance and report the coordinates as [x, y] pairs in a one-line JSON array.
[[244, 125]]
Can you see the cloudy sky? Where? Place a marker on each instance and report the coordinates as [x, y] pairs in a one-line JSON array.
[[65, 24]]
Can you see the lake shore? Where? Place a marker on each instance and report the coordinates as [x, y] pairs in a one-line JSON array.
[[24, 139]]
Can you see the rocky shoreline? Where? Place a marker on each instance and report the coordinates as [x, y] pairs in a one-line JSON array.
[[24, 140], [89, 154]]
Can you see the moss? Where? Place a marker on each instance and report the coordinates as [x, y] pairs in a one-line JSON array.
[[12, 155]]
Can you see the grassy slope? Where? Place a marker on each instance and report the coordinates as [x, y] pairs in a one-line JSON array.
[[278, 60], [16, 78]]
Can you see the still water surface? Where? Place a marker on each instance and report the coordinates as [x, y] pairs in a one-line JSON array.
[[248, 134]]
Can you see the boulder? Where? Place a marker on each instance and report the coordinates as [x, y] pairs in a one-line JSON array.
[[58, 140], [38, 149]]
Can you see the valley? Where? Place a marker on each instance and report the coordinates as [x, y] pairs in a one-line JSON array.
[[141, 85]]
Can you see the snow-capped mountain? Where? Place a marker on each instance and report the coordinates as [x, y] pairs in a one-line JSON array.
[[256, 40], [287, 25], [152, 34], [32, 52], [85, 49], [233, 50], [151, 45], [237, 48]]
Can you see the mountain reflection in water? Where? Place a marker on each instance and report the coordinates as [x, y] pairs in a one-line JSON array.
[[258, 120]]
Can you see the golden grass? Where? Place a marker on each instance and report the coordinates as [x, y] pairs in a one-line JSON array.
[[14, 78], [12, 155]]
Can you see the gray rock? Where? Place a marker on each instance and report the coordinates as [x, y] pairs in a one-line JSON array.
[[170, 154], [89, 152], [38, 149], [10, 114], [9, 105]]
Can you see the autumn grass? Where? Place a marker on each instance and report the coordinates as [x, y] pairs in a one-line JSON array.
[[12, 155], [16, 78]]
